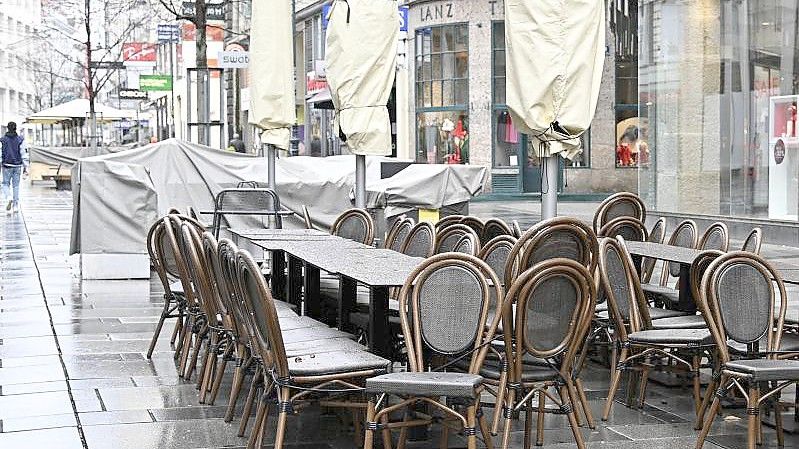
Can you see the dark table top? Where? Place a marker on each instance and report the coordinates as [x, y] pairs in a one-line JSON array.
[[265, 232]]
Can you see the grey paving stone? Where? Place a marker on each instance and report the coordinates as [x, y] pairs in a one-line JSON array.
[[61, 438]]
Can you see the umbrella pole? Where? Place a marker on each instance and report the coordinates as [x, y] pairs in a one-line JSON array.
[[549, 188], [360, 181], [270, 164]]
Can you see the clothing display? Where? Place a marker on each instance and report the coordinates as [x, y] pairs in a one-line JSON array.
[[506, 131]]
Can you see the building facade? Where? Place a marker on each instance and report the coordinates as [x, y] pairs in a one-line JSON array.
[[19, 22]]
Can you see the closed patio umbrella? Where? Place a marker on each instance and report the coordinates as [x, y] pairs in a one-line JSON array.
[[555, 50], [361, 54], [272, 107]]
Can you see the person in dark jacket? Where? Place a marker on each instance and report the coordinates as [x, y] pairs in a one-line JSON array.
[[236, 144], [15, 162]]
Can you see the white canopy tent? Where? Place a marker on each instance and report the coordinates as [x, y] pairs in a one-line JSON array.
[[555, 51], [361, 57], [77, 109], [272, 107]]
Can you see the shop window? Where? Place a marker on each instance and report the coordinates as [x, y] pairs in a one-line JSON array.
[[632, 146], [442, 94]]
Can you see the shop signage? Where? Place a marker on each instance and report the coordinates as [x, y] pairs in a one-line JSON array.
[[437, 11], [314, 83], [402, 13], [132, 94], [139, 53], [150, 83], [213, 11], [107, 65], [168, 33], [233, 59], [779, 151]]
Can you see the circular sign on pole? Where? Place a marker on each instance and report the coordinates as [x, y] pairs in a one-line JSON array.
[[779, 151]]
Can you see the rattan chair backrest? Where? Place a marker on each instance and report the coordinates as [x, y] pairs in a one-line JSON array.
[[306, 217], [554, 302], [355, 224], [268, 337], [247, 185], [716, 237], [494, 227], [622, 204], [753, 241], [630, 228], [156, 240], [517, 229], [685, 235], [468, 244], [200, 276], [448, 238], [220, 289], [622, 289], [446, 301], [475, 223], [227, 260], [258, 201], [742, 290], [656, 235], [420, 241], [174, 255], [401, 234], [446, 221], [496, 252]]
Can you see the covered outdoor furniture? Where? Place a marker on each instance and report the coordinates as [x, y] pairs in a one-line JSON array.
[[444, 305], [253, 202]]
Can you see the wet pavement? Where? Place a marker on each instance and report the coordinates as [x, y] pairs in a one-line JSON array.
[[73, 372]]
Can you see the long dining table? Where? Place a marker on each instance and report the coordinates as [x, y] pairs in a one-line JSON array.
[[305, 253], [685, 257]]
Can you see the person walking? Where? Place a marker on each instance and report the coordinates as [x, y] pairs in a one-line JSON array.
[[236, 144], [15, 162]]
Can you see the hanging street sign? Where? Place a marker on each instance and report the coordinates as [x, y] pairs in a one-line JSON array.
[[233, 59], [108, 65], [151, 83], [132, 94], [213, 11], [168, 33]]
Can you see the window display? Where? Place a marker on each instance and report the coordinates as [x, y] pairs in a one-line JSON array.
[[443, 137]]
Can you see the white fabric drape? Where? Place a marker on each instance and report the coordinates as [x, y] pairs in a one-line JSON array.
[[272, 102], [555, 50], [361, 54]]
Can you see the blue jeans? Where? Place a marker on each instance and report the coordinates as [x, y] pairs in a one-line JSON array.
[[11, 176]]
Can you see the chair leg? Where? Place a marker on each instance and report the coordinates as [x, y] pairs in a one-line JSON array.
[[578, 436], [178, 327], [696, 364], [256, 436], [778, 420], [208, 366], [511, 397], [485, 431], [403, 435], [220, 374], [589, 415], [185, 346], [528, 424], [235, 391], [539, 429], [386, 432], [245, 416], [614, 386], [159, 326], [500, 402], [443, 442], [753, 414], [710, 392], [368, 439], [471, 421], [710, 416], [642, 388], [283, 398], [195, 354]]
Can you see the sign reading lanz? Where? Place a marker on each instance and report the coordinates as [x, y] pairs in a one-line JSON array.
[[446, 10]]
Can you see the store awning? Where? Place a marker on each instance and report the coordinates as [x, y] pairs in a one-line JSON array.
[[272, 107], [79, 109], [361, 56], [321, 99], [555, 51]]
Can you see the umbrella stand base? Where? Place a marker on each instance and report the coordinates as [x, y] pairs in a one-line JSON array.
[[549, 187]]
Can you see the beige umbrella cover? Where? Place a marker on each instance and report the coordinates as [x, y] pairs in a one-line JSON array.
[[272, 107], [361, 58], [555, 50]]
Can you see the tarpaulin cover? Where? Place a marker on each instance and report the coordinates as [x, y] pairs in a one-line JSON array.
[[118, 196], [555, 50], [67, 156], [272, 102], [361, 60]]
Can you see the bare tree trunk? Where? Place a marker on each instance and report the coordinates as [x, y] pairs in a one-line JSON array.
[[203, 77], [90, 81]]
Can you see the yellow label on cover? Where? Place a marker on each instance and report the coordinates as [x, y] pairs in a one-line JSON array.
[[428, 215]]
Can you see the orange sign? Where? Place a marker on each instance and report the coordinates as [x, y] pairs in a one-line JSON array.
[[212, 33]]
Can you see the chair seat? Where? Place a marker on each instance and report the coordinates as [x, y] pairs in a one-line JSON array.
[[672, 337], [667, 295], [177, 288], [322, 345], [680, 322], [788, 343], [290, 322], [765, 370], [337, 362], [453, 385], [531, 372], [655, 313], [310, 334]]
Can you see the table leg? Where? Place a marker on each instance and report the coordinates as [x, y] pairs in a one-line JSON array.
[[313, 303], [686, 302], [295, 282], [379, 332], [279, 275], [347, 302]]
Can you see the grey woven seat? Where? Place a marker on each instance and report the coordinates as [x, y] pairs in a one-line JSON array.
[[788, 343], [323, 345], [764, 370], [432, 384], [666, 295], [672, 337], [292, 322], [680, 322], [654, 312], [312, 334], [336, 362]]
